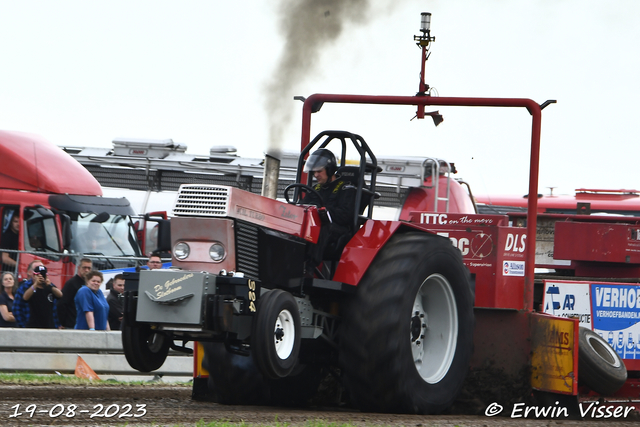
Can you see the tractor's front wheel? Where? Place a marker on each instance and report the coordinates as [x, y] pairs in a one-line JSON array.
[[144, 349], [275, 338], [407, 335]]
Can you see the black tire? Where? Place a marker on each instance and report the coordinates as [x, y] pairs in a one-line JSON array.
[[144, 349], [599, 366], [236, 380], [275, 335], [133, 358], [298, 388], [384, 339]]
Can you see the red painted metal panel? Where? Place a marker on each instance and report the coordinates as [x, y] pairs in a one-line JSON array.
[[420, 199], [613, 201], [362, 249], [32, 163], [486, 245], [594, 241], [298, 221]]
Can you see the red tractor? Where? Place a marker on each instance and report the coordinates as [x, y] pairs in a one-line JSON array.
[[399, 296], [407, 312]]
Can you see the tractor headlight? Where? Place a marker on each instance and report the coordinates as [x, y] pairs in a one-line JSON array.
[[181, 251], [217, 252]]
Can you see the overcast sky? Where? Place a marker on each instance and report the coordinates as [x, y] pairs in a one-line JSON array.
[[82, 72]]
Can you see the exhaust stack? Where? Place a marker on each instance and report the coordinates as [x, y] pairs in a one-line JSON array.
[[270, 178]]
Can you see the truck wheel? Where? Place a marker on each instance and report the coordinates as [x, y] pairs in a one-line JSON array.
[[599, 366], [275, 338], [144, 349], [407, 335]]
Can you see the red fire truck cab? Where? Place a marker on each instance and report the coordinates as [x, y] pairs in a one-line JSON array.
[[62, 213]]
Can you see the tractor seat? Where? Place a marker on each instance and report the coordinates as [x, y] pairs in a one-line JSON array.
[[351, 175]]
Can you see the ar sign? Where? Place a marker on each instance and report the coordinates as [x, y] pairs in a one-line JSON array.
[[610, 310], [568, 300]]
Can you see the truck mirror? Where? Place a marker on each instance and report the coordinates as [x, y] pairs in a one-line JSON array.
[[164, 235], [44, 212], [101, 217], [65, 221]]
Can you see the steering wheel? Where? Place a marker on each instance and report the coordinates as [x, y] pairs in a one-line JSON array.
[[305, 188]]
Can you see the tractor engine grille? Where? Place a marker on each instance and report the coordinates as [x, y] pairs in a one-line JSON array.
[[202, 200], [247, 249]]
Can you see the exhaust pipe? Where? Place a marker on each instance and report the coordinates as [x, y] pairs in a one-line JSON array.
[[270, 178]]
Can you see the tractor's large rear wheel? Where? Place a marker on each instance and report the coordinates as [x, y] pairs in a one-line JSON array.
[[407, 335]]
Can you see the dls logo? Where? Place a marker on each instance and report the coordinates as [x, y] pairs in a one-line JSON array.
[[515, 242]]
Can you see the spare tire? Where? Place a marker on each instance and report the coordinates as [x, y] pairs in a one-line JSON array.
[[599, 366]]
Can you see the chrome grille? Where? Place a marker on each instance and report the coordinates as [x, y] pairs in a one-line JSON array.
[[202, 200], [247, 249]]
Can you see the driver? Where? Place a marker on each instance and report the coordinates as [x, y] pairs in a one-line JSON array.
[[338, 197]]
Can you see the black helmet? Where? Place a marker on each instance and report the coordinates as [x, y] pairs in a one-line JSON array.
[[321, 159]]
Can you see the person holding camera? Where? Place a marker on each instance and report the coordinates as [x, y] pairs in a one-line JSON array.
[[41, 296]]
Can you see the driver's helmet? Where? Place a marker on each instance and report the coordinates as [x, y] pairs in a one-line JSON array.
[[321, 159]]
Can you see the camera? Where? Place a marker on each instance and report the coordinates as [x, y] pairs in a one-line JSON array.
[[41, 270]]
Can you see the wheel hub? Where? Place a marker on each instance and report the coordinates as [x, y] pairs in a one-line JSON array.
[[284, 334], [434, 328], [418, 327], [279, 333]]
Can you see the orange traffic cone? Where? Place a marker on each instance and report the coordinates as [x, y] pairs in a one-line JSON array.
[[84, 371]]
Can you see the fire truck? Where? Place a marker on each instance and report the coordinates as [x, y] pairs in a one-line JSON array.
[[440, 304], [585, 201], [62, 213]]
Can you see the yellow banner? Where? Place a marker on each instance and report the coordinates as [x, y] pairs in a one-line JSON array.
[[554, 358]]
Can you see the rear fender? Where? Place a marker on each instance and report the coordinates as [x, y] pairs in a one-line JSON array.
[[363, 247]]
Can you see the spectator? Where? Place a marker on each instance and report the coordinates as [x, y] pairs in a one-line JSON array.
[[115, 302], [9, 287], [10, 241], [20, 306], [66, 305], [154, 262], [91, 305], [40, 296]]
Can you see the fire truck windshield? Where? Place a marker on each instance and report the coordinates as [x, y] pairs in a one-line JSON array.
[[103, 234]]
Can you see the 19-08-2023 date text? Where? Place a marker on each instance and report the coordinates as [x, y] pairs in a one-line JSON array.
[[71, 411]]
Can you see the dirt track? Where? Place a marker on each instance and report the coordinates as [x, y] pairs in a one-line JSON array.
[[172, 405]]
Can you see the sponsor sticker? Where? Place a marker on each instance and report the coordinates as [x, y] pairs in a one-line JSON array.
[[513, 268]]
